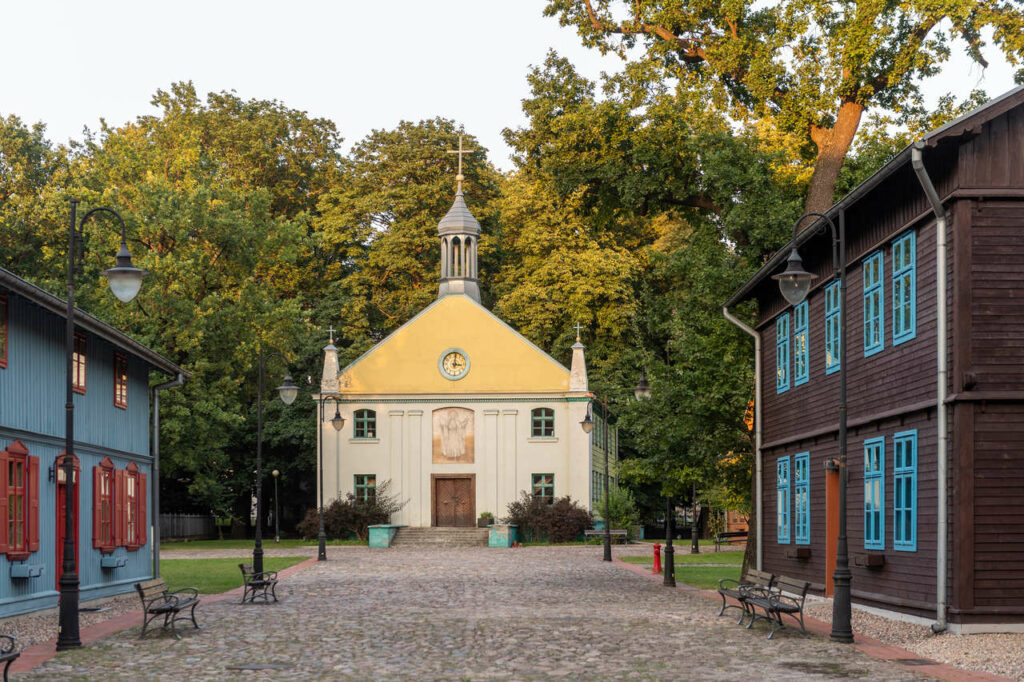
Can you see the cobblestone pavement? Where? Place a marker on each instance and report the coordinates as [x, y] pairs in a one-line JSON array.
[[474, 613]]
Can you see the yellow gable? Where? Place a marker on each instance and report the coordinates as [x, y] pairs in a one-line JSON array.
[[500, 360]]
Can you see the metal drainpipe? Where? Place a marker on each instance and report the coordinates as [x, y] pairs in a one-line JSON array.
[[154, 502], [917, 161], [758, 488]]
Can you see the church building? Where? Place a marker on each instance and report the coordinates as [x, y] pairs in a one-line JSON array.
[[458, 411]]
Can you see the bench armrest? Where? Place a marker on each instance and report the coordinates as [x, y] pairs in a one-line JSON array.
[[776, 599], [265, 576], [184, 594], [758, 591], [736, 584], [7, 644]]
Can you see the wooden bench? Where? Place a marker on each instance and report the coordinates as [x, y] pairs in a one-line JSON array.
[[258, 585], [159, 601], [600, 534], [9, 652], [755, 581], [729, 538], [775, 603]]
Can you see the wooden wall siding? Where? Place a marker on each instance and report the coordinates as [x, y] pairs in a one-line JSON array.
[[32, 388], [999, 506], [21, 596], [994, 158], [997, 295], [897, 376], [907, 580]]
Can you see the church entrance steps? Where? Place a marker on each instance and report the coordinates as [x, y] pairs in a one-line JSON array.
[[440, 537]]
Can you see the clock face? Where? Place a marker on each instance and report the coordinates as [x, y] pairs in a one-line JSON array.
[[454, 364]]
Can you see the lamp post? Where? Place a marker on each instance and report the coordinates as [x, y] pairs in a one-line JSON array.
[[694, 525], [588, 425], [643, 392], [794, 284], [125, 280], [338, 422], [277, 526], [288, 392]]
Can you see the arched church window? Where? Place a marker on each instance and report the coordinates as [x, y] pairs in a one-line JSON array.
[[543, 422], [467, 269], [444, 257], [456, 257], [365, 424]]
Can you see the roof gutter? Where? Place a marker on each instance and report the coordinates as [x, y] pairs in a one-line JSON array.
[[154, 514], [758, 465], [942, 373]]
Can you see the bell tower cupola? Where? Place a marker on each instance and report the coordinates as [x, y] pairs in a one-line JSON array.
[[459, 232]]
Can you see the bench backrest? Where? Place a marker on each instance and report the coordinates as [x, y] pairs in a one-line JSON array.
[[246, 569], [759, 578], [793, 586], [151, 588]]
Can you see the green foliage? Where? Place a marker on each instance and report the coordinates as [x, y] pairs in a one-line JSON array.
[[537, 521], [349, 516], [622, 510]]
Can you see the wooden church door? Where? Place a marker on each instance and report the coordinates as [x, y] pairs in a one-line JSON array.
[[454, 500]]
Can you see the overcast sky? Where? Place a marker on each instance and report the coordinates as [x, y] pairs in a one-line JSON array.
[[365, 65]]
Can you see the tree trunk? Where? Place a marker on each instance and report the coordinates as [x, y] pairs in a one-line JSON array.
[[833, 144]]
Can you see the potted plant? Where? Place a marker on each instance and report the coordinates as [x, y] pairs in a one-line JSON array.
[[486, 519]]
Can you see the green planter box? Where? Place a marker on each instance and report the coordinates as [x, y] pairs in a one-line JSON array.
[[501, 535], [382, 534]]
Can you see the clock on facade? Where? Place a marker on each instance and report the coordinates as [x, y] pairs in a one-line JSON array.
[[453, 363]]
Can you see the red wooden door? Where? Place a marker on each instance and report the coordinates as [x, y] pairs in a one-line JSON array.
[[61, 504], [453, 502]]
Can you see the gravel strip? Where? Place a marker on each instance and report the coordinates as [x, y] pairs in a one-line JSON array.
[[41, 626], [999, 654]]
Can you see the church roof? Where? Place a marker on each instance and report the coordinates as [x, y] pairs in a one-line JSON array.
[[500, 359], [458, 220]]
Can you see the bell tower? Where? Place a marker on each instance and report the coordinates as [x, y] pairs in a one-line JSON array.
[[459, 232]]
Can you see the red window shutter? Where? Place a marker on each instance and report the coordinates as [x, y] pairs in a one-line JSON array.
[[4, 543], [97, 517], [33, 503], [119, 495], [141, 526]]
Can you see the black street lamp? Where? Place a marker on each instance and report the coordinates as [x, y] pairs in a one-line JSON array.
[[794, 284], [588, 425], [288, 392], [125, 280], [277, 526], [338, 422]]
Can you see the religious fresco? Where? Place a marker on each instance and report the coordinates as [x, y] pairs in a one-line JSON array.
[[453, 435]]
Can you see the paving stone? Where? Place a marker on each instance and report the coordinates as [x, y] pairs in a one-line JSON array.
[[469, 613]]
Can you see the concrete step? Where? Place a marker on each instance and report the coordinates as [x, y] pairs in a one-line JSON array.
[[440, 537]]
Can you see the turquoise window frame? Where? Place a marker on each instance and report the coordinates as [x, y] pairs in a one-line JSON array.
[[904, 288], [364, 424], [782, 353], [543, 486], [801, 355], [364, 487], [802, 497], [874, 493], [782, 500], [904, 492], [874, 304], [833, 344]]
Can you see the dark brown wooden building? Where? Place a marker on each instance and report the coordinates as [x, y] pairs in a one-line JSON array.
[[897, 333]]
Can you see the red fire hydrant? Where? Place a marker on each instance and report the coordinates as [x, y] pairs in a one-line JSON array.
[[657, 558]]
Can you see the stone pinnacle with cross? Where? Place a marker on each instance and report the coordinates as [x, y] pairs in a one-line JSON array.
[[460, 151]]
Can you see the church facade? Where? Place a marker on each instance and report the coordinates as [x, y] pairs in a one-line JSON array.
[[459, 411]]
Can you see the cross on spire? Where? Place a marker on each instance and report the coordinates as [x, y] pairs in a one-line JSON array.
[[330, 330], [460, 151], [578, 328]]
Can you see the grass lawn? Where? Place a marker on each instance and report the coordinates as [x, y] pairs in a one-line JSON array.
[[693, 569], [213, 576], [247, 544]]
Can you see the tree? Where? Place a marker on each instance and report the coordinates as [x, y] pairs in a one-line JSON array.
[[810, 67]]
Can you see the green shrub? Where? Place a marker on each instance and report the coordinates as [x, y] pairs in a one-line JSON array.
[[343, 518], [622, 510], [561, 521]]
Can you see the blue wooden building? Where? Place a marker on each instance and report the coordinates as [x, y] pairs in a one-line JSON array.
[[113, 484]]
